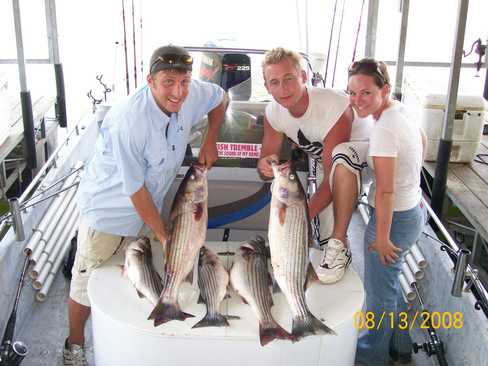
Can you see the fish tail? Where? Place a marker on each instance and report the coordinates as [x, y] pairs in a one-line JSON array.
[[212, 320], [164, 312], [272, 331], [304, 326]]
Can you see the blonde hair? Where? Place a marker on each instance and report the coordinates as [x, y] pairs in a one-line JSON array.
[[278, 54]]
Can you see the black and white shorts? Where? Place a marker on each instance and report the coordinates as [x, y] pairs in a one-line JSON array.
[[352, 155]]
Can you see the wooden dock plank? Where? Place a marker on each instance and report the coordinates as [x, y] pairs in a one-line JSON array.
[[467, 187], [39, 108], [480, 168]]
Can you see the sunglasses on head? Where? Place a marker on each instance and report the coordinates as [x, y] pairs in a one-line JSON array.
[[367, 67], [172, 59]]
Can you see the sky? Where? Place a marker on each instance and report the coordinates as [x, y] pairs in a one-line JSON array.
[[91, 35]]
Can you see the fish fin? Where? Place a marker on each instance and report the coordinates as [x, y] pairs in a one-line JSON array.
[[276, 288], [123, 270], [200, 299], [140, 294], [232, 317], [282, 214], [311, 276], [243, 300], [198, 211], [189, 278], [271, 332], [164, 312], [308, 325], [215, 320]]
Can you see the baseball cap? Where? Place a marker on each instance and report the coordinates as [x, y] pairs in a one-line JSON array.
[[170, 57]]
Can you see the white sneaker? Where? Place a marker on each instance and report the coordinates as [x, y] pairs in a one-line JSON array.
[[336, 258], [73, 355]]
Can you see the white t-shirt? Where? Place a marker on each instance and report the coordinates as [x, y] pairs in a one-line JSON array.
[[396, 134], [308, 131]]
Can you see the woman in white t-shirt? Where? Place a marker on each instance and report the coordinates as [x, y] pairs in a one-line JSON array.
[[395, 154]]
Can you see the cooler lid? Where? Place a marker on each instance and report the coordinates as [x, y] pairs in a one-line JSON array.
[[430, 85]]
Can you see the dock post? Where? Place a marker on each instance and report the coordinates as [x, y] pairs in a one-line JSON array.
[[25, 98], [445, 143]]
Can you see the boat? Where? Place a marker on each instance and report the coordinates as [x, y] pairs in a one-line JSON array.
[[454, 302]]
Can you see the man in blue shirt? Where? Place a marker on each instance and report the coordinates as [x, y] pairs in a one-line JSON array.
[[140, 148]]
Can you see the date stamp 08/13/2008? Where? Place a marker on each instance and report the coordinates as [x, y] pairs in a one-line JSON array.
[[408, 320]]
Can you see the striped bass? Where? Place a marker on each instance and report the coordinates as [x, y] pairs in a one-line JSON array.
[[189, 218], [289, 233], [138, 267], [250, 278], [212, 281]]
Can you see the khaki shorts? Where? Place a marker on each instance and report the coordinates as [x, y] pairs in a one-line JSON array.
[[93, 249], [353, 156]]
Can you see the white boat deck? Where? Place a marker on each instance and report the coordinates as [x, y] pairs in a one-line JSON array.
[[47, 328]]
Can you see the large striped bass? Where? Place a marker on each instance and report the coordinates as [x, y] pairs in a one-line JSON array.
[[289, 234], [189, 218], [212, 282], [138, 267], [250, 278]]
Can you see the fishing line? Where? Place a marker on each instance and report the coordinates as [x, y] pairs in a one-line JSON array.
[[338, 42], [134, 45], [140, 39], [357, 33], [330, 41], [125, 51]]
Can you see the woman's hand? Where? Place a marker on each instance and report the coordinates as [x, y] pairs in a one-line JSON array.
[[387, 251]]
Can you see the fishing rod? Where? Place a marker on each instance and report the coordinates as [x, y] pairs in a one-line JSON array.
[[338, 42], [434, 346], [12, 353], [330, 41], [357, 32], [140, 38], [125, 51], [134, 45]]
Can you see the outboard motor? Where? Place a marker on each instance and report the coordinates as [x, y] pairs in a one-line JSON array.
[[236, 76], [232, 71]]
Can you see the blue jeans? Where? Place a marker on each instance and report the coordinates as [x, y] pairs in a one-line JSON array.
[[383, 293]]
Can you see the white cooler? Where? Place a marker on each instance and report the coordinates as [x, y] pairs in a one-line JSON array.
[[424, 94], [122, 335]]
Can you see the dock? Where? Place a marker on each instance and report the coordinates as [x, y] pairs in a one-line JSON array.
[[12, 164], [467, 188]]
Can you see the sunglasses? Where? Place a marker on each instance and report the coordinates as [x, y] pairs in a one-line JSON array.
[[367, 67], [172, 59]]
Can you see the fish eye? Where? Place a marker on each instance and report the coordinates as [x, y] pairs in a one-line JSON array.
[[192, 177], [292, 176]]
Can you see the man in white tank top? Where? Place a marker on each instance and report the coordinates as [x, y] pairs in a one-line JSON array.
[[320, 122]]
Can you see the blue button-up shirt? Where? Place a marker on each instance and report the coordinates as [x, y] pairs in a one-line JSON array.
[[139, 145]]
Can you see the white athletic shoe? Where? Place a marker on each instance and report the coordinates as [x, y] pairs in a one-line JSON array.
[[73, 355], [335, 260]]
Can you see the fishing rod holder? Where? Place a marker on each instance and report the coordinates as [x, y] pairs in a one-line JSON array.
[[94, 100], [16, 219], [106, 89], [460, 272], [460, 269], [12, 354]]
